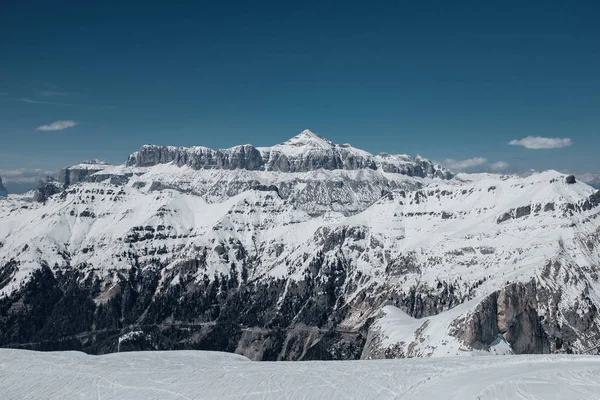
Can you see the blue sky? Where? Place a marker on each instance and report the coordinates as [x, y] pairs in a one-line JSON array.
[[452, 81]]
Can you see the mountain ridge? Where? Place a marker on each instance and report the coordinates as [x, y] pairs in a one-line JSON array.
[[304, 152]]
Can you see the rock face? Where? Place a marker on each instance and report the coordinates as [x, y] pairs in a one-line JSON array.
[[46, 189], [513, 313], [3, 191], [303, 153], [78, 173], [239, 157]]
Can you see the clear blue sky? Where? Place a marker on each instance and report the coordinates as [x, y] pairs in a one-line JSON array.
[[444, 79]]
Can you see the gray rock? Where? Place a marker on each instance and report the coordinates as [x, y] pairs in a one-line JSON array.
[[267, 188], [513, 313], [595, 199], [570, 179], [482, 329], [239, 157], [46, 189], [518, 320], [504, 217], [71, 175], [523, 211]]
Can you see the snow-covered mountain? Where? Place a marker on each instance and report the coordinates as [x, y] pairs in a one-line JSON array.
[[303, 250]]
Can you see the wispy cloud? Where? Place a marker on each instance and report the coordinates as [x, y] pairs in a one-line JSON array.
[[50, 93], [24, 175], [499, 166], [57, 103], [538, 142], [57, 126], [464, 164], [3, 93]]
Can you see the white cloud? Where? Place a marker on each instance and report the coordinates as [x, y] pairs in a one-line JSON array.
[[464, 164], [50, 93], [499, 166], [537, 142], [57, 126], [24, 175]]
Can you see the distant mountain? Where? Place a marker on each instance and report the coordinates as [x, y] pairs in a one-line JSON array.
[[19, 187], [3, 191], [592, 179], [303, 250]]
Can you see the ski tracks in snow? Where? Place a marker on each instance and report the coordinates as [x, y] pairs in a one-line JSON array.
[[187, 375]]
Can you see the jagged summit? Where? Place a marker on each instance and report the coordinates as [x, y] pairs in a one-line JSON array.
[[309, 138], [308, 141]]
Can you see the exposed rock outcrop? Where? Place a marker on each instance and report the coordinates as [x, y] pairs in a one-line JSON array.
[[77, 173], [46, 189], [239, 157], [513, 313]]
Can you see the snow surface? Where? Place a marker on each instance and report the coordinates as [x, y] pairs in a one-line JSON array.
[[211, 375]]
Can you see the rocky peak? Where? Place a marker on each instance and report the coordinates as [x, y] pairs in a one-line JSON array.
[[309, 139]]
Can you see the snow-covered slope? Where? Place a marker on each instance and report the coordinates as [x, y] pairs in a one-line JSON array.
[[191, 375], [300, 265]]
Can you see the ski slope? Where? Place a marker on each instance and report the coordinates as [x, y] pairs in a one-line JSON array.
[[210, 375]]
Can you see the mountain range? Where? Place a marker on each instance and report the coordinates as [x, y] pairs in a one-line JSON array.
[[304, 250]]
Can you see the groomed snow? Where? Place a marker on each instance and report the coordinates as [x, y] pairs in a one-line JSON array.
[[210, 375]]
